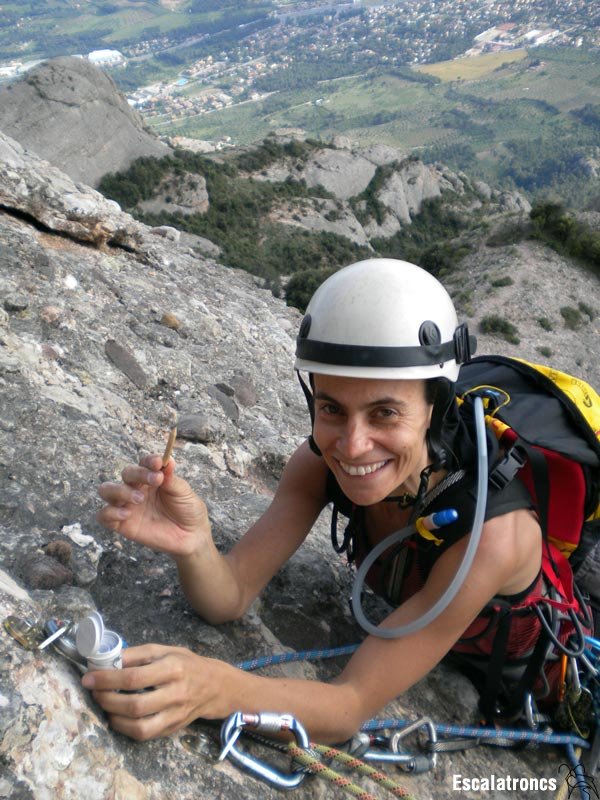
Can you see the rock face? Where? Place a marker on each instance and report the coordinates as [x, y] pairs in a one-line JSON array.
[[331, 216], [404, 192], [103, 346], [71, 113], [340, 172], [533, 301]]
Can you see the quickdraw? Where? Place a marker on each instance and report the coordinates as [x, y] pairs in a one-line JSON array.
[[307, 756]]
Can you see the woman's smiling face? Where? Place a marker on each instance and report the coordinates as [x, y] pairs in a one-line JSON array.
[[372, 433]]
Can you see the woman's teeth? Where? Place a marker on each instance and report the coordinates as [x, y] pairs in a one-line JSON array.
[[362, 469]]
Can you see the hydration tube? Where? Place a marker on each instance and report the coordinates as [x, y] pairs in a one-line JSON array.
[[398, 536]]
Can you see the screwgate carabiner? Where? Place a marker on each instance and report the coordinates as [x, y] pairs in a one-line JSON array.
[[265, 722], [416, 764]]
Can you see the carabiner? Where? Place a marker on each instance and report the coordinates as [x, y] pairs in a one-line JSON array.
[[266, 722], [529, 711], [416, 763]]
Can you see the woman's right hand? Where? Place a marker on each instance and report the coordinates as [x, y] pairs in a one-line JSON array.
[[155, 507]]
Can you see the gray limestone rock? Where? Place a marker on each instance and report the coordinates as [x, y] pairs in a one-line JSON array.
[[244, 390], [31, 185], [226, 401], [341, 172], [403, 194], [125, 361], [16, 303], [332, 216], [514, 202], [71, 113]]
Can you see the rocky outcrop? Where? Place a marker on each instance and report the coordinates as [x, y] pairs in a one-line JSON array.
[[331, 216], [344, 173], [102, 348], [404, 192], [35, 188], [182, 194], [525, 284], [71, 113], [57, 202]]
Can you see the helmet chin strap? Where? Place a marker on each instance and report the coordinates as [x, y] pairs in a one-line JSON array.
[[310, 402]]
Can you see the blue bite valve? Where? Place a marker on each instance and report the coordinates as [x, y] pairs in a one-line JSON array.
[[440, 518]]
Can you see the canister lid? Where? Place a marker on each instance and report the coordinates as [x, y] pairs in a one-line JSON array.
[[90, 632]]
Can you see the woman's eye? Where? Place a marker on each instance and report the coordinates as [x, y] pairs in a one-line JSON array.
[[329, 408], [386, 413]]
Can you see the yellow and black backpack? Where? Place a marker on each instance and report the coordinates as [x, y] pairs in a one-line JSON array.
[[548, 427], [553, 420]]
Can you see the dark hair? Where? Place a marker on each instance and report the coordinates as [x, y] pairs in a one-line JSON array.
[[439, 393], [432, 389]]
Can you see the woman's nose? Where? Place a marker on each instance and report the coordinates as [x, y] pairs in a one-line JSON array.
[[354, 439]]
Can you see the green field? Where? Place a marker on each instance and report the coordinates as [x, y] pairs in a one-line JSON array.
[[387, 108], [471, 67]]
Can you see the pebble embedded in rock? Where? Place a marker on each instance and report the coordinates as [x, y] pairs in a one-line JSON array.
[[15, 303], [200, 428], [245, 393], [44, 572], [51, 314], [125, 361], [169, 320], [60, 550], [227, 403]]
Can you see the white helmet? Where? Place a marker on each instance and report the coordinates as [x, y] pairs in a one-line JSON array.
[[382, 318]]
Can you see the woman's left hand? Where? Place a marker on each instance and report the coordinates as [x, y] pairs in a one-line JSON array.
[[159, 690]]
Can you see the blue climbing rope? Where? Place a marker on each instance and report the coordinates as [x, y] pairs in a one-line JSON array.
[[514, 734], [297, 655], [579, 772]]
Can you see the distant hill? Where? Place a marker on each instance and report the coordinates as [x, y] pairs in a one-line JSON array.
[[71, 113]]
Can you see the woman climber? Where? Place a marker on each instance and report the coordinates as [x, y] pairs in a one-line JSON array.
[[381, 346]]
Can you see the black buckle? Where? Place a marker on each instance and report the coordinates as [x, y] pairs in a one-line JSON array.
[[506, 469], [464, 345]]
